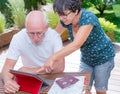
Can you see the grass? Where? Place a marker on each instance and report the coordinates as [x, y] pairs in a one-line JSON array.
[[109, 15], [117, 36]]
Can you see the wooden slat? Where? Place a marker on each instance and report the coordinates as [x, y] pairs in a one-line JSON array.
[[1, 86]]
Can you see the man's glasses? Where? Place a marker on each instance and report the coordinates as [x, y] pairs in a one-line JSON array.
[[36, 33], [64, 15]]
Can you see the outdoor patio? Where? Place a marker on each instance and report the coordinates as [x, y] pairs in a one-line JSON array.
[[111, 15], [72, 64]]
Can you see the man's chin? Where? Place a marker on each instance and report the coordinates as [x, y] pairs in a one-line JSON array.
[[37, 43]]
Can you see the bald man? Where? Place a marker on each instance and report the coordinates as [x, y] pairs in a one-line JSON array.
[[34, 44]]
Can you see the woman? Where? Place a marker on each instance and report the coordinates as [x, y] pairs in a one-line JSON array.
[[97, 53]]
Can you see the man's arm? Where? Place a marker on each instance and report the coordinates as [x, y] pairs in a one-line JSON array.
[[58, 67], [31, 70], [10, 85]]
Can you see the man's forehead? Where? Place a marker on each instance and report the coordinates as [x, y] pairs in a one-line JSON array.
[[35, 22]]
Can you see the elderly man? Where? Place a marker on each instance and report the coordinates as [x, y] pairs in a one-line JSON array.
[[34, 44]]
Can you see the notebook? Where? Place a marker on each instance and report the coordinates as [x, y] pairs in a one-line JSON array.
[[68, 85]]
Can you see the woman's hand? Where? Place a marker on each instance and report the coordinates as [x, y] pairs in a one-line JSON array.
[[49, 64], [52, 64]]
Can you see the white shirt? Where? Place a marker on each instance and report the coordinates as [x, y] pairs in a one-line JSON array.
[[34, 55]]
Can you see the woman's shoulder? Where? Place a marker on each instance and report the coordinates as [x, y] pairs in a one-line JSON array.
[[88, 17], [87, 13]]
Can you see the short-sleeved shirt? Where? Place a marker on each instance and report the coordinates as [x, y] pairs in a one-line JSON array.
[[98, 48], [34, 55]]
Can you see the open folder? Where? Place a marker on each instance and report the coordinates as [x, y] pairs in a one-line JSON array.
[[29, 82]]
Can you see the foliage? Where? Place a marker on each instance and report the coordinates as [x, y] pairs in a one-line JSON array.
[[18, 12], [49, 1], [118, 1], [52, 18], [7, 13], [2, 22], [107, 25], [116, 9], [86, 3], [33, 4], [100, 5], [117, 36]]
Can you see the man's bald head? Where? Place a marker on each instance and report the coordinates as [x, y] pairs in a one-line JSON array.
[[36, 26], [35, 20]]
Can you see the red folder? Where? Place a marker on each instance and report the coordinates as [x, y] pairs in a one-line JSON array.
[[29, 82]]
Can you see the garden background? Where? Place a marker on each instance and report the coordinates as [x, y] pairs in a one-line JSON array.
[[13, 12]]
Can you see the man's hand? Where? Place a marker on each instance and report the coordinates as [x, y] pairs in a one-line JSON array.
[[11, 86]]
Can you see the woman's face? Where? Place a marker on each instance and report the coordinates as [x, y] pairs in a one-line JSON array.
[[68, 17]]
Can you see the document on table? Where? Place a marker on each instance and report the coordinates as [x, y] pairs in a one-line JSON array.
[[76, 88]]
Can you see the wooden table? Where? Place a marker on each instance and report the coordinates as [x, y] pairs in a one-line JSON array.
[[52, 77]]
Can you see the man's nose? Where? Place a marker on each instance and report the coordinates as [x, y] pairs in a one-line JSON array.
[[35, 36]]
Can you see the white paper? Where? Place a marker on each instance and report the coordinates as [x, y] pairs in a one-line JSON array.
[[76, 88]]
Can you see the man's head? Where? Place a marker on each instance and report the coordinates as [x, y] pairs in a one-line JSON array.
[[36, 26]]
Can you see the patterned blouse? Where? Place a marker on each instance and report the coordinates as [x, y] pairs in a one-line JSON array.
[[98, 48]]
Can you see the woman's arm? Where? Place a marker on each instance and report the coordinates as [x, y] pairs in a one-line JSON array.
[[60, 29], [79, 38]]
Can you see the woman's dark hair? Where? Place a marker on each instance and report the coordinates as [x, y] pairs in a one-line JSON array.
[[59, 6]]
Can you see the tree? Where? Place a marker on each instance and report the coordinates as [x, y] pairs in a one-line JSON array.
[[6, 11], [33, 4], [100, 5], [116, 8]]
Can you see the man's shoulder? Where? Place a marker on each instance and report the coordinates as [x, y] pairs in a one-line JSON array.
[[21, 33], [52, 31], [51, 35], [20, 36]]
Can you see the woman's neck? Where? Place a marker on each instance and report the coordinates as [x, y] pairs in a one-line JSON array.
[[76, 19]]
